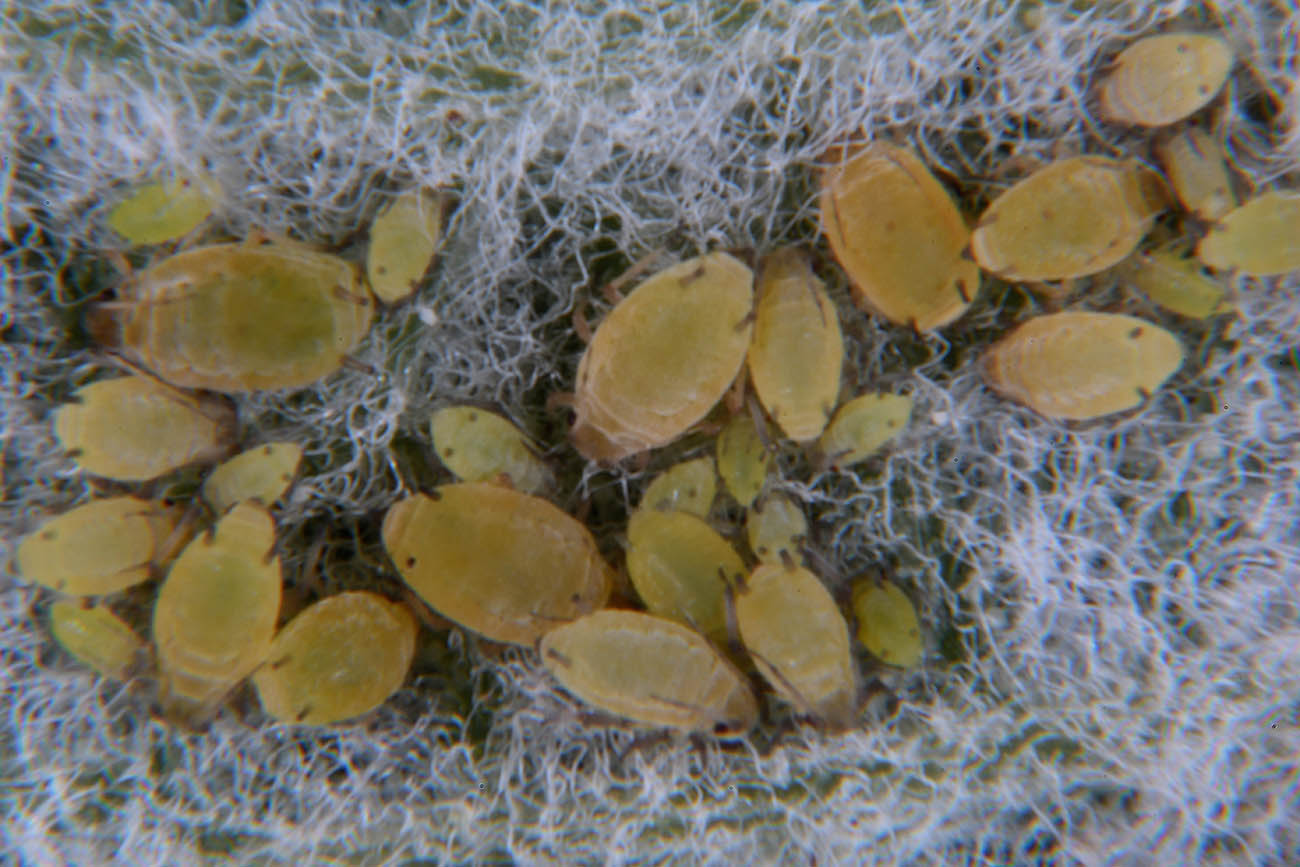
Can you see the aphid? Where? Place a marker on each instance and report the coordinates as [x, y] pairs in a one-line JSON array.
[[899, 236], [135, 428], [1261, 238], [688, 487], [478, 446], [775, 527], [262, 473], [216, 611], [240, 317], [96, 637], [1162, 79], [1197, 170], [798, 640], [663, 357], [887, 624], [680, 567], [505, 564], [1081, 365], [403, 240], [337, 659], [861, 426], [1068, 219], [650, 670], [743, 459], [1175, 283], [100, 547], [798, 351], [163, 210]]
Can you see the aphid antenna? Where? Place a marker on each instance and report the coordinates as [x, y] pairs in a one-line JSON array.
[[734, 643]]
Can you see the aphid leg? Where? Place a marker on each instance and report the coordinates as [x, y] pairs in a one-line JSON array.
[[178, 537], [747, 320], [964, 291], [734, 399], [302, 714], [1143, 394], [787, 561], [734, 644], [560, 400], [613, 289], [793, 692], [818, 301], [360, 366], [340, 292], [120, 263], [558, 657], [760, 425], [581, 326]]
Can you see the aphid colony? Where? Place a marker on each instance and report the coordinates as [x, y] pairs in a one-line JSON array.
[[492, 554]]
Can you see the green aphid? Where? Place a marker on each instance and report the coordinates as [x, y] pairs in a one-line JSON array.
[[164, 210], [403, 240], [887, 622], [481, 446], [1175, 283], [681, 567], [861, 426], [743, 459], [97, 637], [689, 486], [776, 527]]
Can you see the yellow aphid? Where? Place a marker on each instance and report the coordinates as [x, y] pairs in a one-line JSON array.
[[1197, 169], [1261, 238], [861, 426], [680, 567], [1080, 366], [887, 624], [898, 234], [97, 637], [798, 640], [135, 428], [650, 670], [1071, 218], [479, 446], [101, 547], [403, 239], [798, 351], [663, 357], [505, 564], [337, 659], [164, 210], [1162, 79], [776, 527], [240, 317], [688, 487], [1175, 283], [262, 473], [743, 459], [215, 615]]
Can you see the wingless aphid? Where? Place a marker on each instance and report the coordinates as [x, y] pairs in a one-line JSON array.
[[262, 473], [479, 446], [96, 637], [1162, 79], [1261, 238], [663, 357], [688, 487]]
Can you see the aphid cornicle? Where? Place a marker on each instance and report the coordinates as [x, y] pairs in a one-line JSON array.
[[663, 357], [680, 567], [650, 670], [403, 240], [1079, 366], [1261, 238], [216, 610], [799, 640], [262, 473], [134, 428], [688, 487], [96, 637], [240, 317], [899, 237], [798, 352], [337, 659], [887, 623], [502, 563], [167, 209], [1070, 218], [479, 446], [100, 547], [1162, 79]]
